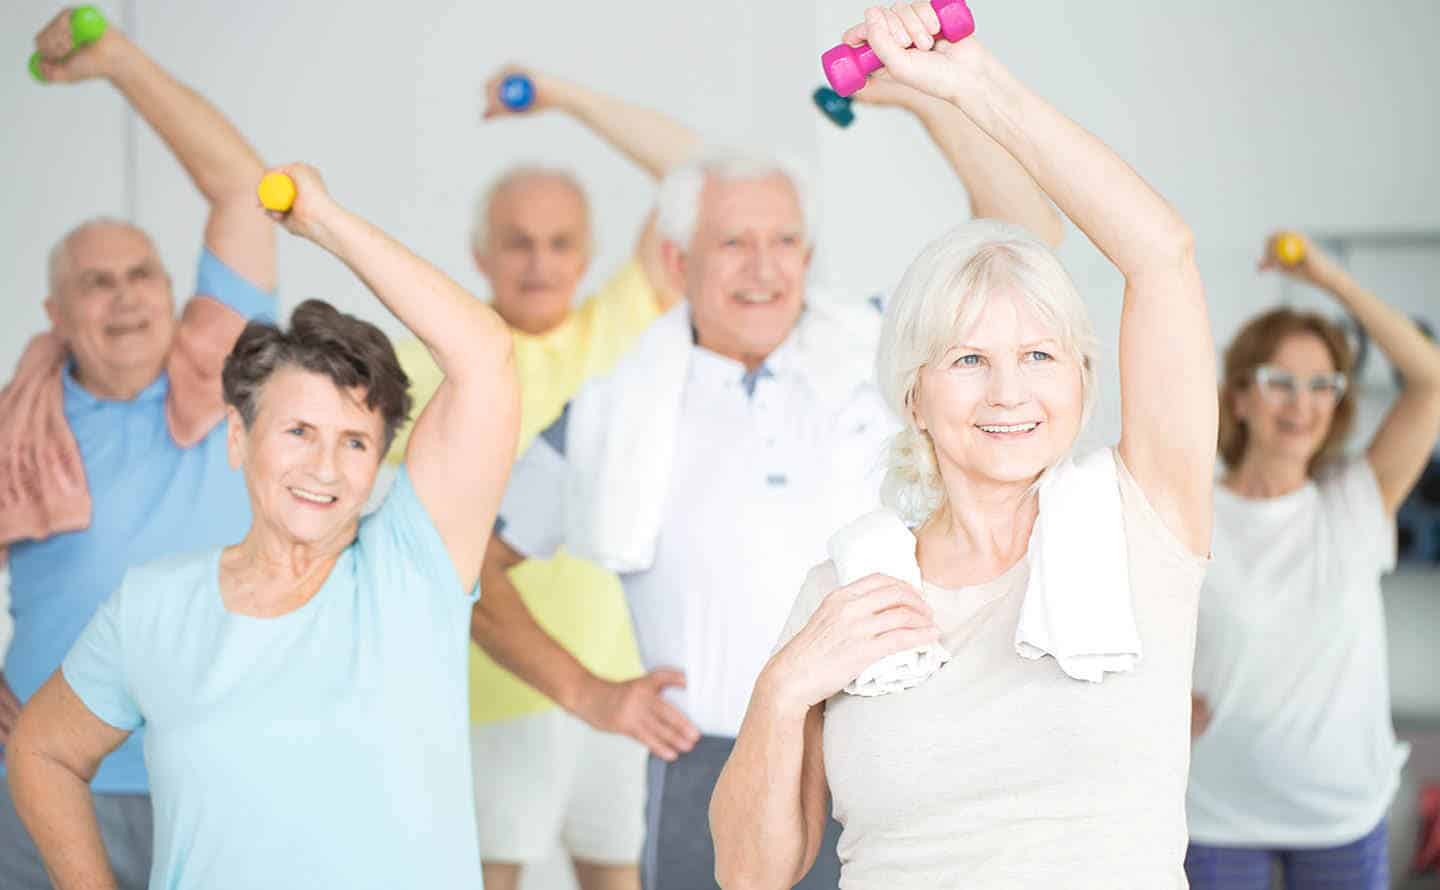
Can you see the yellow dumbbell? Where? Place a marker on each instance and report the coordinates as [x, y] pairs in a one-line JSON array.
[[1290, 249], [277, 192]]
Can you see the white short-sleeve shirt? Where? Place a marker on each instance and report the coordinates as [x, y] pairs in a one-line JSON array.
[[1291, 656], [763, 471]]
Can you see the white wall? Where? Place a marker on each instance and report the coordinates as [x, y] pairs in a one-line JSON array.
[[1310, 113], [1287, 113]]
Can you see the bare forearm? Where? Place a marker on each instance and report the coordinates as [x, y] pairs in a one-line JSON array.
[[756, 812], [656, 142], [502, 625], [999, 188], [1414, 356], [1126, 219], [55, 805], [222, 164], [461, 331]]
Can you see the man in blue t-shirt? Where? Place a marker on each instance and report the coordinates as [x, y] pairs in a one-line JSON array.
[[140, 394]]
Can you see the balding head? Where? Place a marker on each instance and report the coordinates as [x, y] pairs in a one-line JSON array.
[[102, 231], [110, 301], [532, 241], [526, 184]]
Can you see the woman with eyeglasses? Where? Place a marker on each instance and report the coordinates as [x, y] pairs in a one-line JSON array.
[[1295, 759]]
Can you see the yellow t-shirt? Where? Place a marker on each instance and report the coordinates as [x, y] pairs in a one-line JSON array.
[[578, 603]]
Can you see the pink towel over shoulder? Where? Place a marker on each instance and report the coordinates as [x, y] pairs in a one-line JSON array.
[[43, 490]]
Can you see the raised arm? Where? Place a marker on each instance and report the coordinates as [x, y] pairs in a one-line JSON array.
[[1406, 437], [655, 142], [223, 166], [999, 188], [1167, 360], [464, 441]]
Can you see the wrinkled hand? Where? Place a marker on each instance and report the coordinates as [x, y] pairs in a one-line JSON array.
[[636, 708], [313, 205], [9, 713], [59, 64], [854, 627], [1199, 715], [494, 108], [906, 38]]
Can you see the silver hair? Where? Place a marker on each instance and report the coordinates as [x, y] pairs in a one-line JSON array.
[[480, 225], [942, 294], [678, 201], [58, 264]]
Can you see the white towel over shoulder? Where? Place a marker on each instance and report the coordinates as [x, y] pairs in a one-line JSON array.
[[622, 429], [1077, 606]]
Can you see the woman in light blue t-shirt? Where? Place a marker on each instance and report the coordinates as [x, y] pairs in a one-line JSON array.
[[303, 691], [1295, 760]]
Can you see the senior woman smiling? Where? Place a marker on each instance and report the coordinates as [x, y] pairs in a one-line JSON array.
[[303, 690], [1004, 768]]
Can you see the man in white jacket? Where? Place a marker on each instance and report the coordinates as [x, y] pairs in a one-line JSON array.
[[708, 470]]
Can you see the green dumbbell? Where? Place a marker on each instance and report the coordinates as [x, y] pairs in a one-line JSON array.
[[87, 25]]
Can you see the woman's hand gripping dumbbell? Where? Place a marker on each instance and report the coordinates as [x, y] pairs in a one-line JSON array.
[[847, 65]]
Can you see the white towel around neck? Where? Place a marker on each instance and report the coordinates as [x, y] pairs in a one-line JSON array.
[[1077, 605], [620, 436]]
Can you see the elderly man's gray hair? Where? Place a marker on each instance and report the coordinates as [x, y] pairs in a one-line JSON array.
[[678, 204], [58, 266], [517, 175]]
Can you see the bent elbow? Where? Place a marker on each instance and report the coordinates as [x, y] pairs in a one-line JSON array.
[[731, 875], [1178, 244], [739, 868]]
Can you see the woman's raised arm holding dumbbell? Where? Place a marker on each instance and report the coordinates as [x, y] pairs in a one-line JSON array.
[[1044, 753]]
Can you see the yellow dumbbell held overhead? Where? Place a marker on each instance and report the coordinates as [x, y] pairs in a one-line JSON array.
[[1290, 249], [277, 192]]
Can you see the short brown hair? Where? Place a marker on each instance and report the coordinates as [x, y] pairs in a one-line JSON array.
[[1256, 344], [323, 340]]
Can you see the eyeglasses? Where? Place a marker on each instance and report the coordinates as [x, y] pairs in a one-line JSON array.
[[1279, 385]]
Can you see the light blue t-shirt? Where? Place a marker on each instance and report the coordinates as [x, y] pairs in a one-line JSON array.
[[328, 747], [149, 498]]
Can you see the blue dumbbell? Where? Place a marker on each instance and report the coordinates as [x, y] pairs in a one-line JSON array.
[[517, 92]]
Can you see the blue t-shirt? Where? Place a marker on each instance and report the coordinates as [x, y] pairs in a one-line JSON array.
[[149, 498], [328, 747]]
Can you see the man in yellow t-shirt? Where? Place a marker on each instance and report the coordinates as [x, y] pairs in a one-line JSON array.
[[542, 775]]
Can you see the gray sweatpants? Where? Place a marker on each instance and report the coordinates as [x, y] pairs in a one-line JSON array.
[[679, 854], [126, 827]]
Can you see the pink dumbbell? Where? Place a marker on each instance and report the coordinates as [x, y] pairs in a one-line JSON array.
[[846, 67]]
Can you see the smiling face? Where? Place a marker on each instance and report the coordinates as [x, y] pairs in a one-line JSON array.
[[744, 269], [1006, 401], [111, 304], [535, 251], [310, 456], [1289, 407]]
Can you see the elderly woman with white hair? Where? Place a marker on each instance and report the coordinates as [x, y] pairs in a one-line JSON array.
[[1033, 730]]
